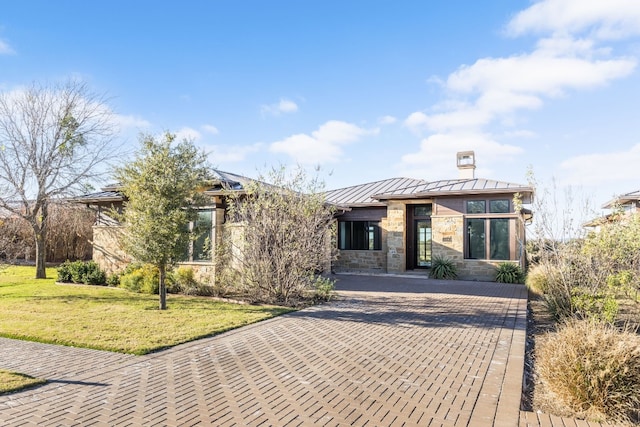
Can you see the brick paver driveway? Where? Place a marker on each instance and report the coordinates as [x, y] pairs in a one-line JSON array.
[[427, 353]]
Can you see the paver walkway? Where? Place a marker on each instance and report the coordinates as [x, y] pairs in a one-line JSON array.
[[430, 353]]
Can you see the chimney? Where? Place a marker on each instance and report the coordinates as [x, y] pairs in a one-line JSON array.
[[466, 161]]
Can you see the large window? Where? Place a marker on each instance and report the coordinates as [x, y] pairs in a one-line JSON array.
[[199, 249], [359, 235], [488, 236]]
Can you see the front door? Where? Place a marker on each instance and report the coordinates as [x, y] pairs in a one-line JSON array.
[[423, 243]]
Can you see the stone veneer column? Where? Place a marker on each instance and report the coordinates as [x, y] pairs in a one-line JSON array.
[[448, 238], [396, 242]]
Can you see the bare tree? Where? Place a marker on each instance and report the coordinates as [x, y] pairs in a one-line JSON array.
[[52, 142], [285, 244]]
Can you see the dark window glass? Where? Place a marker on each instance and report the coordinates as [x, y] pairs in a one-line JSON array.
[[476, 206], [499, 238], [202, 243], [422, 210], [499, 206], [359, 235], [476, 238]]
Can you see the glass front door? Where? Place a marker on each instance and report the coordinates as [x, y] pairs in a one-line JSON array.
[[423, 243]]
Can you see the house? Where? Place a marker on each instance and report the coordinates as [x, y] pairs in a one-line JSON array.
[[619, 207], [401, 224], [392, 226]]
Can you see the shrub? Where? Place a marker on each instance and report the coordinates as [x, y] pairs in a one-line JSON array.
[[593, 370], [182, 280], [141, 278], [64, 272], [537, 279], [597, 306], [508, 272], [113, 280], [88, 273], [323, 288], [443, 268]]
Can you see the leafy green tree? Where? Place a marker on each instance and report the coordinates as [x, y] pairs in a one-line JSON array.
[[161, 186], [53, 140]]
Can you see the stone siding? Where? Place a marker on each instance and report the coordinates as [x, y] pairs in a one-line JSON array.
[[107, 252], [395, 226], [360, 261]]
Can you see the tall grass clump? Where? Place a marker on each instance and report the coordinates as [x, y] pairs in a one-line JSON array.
[[593, 369], [443, 268], [508, 272]]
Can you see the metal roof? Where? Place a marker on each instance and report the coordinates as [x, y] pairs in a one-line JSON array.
[[628, 197], [374, 193], [220, 181], [363, 194]]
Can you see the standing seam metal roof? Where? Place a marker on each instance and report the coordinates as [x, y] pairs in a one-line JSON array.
[[373, 194]]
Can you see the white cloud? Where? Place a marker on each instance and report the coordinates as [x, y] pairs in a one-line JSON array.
[[233, 153], [130, 122], [323, 145], [5, 49], [284, 106], [436, 157], [606, 20], [387, 120], [210, 129], [603, 168], [188, 134]]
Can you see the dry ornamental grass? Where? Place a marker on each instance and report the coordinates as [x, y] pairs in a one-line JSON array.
[[593, 370]]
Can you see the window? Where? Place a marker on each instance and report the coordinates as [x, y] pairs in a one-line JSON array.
[[488, 236], [199, 249], [476, 206], [499, 206], [359, 235]]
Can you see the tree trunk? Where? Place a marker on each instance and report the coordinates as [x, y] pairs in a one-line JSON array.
[[162, 288], [40, 230], [41, 272]]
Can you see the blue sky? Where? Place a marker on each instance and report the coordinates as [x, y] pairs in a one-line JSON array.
[[368, 90]]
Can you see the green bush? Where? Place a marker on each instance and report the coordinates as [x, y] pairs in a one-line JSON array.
[[323, 288], [141, 278], [182, 280], [593, 370], [508, 272], [88, 273], [443, 268], [599, 306], [113, 280]]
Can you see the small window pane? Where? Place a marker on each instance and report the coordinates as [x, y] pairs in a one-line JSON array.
[[499, 206], [476, 238], [476, 206], [499, 241], [423, 210]]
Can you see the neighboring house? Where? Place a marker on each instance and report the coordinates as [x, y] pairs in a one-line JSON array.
[[391, 226], [401, 224], [619, 207]]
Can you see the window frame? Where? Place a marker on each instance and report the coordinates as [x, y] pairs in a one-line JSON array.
[[370, 229], [191, 248], [493, 214]]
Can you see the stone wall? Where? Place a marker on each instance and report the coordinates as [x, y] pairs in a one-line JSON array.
[[360, 261], [395, 228], [107, 252]]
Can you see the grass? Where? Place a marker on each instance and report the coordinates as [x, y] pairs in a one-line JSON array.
[[11, 381], [109, 318]]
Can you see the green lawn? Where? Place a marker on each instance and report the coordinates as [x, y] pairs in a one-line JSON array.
[[11, 381], [110, 318]]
